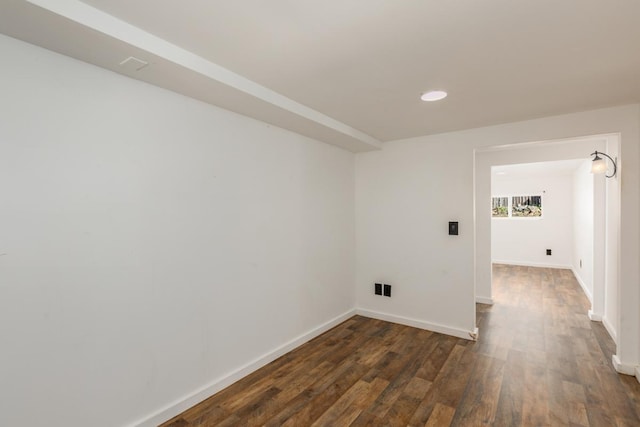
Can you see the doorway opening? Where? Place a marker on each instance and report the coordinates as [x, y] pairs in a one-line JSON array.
[[538, 205]]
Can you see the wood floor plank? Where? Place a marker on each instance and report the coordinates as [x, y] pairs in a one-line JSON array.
[[539, 361], [361, 402], [331, 415], [441, 416], [433, 363], [509, 409], [448, 385], [397, 384], [321, 401], [407, 402], [576, 401], [482, 395], [366, 419], [558, 402]]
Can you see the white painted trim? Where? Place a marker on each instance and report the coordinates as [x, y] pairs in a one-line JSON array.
[[548, 142], [442, 329], [532, 264], [484, 300], [218, 384], [595, 317], [583, 286], [622, 368], [475, 334], [609, 327], [638, 373]]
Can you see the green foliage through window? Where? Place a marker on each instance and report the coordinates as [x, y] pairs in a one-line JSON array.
[[500, 207]]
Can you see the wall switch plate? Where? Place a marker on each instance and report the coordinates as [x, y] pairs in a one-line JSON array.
[[453, 228], [378, 289], [548, 251], [387, 290]]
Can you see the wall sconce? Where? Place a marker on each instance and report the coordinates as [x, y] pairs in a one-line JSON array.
[[599, 165]]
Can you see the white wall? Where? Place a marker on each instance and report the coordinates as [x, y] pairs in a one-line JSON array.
[[637, 371], [405, 196], [152, 244], [583, 227], [524, 241], [406, 193], [616, 259]]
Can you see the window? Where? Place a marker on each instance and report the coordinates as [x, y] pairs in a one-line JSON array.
[[516, 207], [526, 206], [500, 207]]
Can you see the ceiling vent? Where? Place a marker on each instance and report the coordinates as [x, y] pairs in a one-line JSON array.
[[133, 64]]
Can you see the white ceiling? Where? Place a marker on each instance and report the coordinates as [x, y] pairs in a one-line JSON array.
[[350, 72], [527, 170]]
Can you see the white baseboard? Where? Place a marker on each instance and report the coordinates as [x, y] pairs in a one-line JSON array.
[[583, 286], [609, 327], [181, 405], [484, 300], [531, 264], [447, 330], [474, 335], [595, 317], [621, 367], [638, 373]]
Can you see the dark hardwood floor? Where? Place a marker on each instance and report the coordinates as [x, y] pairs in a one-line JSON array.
[[539, 361]]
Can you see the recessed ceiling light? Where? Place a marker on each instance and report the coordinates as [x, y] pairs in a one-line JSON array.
[[434, 95]]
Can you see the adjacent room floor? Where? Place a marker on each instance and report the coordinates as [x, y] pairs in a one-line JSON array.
[[539, 361]]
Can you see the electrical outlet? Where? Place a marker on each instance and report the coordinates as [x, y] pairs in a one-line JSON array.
[[453, 228], [387, 290], [548, 251], [378, 288]]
